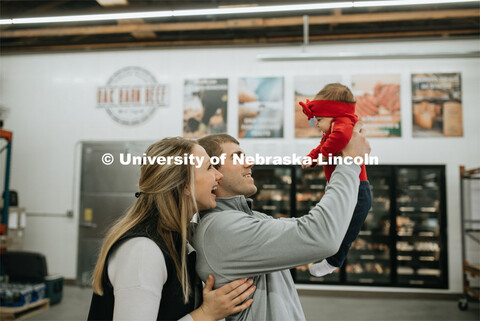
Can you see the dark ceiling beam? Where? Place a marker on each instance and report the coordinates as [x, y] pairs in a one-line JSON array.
[[140, 35], [45, 6], [110, 3], [260, 40], [336, 18]]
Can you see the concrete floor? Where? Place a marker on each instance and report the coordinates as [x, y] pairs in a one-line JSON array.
[[76, 302]]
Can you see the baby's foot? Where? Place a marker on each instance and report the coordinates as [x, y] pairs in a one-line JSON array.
[[322, 268]]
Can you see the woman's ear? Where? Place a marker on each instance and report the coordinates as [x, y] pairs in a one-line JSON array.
[[187, 190]]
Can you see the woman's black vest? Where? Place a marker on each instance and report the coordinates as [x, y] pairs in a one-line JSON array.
[[172, 305]]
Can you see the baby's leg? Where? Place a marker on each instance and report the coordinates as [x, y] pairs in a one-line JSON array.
[[364, 203]]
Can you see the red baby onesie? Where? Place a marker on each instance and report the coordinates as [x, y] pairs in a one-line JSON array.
[[336, 138]]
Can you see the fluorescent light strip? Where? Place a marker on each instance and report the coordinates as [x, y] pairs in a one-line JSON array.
[[389, 3], [262, 9], [225, 11], [94, 17], [367, 55]]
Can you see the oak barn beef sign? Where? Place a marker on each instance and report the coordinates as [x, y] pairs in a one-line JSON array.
[[132, 95]]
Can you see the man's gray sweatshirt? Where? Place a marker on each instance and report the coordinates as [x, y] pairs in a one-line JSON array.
[[233, 242]]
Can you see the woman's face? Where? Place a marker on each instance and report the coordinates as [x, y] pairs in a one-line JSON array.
[[206, 179]]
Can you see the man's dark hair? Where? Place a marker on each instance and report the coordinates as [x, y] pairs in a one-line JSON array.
[[212, 143]]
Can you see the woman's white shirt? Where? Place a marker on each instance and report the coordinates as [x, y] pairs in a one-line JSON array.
[[137, 271]]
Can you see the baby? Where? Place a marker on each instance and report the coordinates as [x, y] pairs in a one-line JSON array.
[[334, 110]]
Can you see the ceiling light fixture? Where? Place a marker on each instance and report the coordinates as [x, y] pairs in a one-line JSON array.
[[368, 55], [112, 3], [226, 11]]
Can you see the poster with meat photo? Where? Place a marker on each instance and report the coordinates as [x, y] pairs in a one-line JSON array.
[[260, 107], [378, 103], [437, 105], [204, 107], [306, 87]]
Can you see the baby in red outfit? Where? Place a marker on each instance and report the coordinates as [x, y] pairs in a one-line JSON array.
[[334, 111]]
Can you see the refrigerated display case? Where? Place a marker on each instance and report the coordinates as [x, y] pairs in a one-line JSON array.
[[403, 240], [369, 259], [421, 226], [309, 188], [274, 195]]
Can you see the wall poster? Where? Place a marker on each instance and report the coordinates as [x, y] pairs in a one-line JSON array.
[[132, 95], [437, 105], [260, 107], [204, 107], [306, 87], [378, 104]]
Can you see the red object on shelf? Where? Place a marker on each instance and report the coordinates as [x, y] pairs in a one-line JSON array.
[[6, 134], [3, 231]]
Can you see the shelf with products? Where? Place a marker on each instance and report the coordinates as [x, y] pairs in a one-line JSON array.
[[408, 271], [403, 238], [382, 258], [418, 281], [309, 189], [373, 251], [376, 243], [380, 234], [422, 236], [411, 234], [421, 266], [374, 273]]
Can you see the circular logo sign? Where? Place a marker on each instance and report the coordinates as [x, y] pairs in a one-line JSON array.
[[131, 96]]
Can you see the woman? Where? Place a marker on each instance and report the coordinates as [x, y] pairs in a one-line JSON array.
[[146, 267]]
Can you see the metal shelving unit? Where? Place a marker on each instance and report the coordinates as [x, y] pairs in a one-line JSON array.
[[470, 231], [7, 135]]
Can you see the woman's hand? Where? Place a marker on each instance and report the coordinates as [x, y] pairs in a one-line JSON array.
[[222, 302]]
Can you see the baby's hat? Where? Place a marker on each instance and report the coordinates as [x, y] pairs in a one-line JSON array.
[[327, 108]]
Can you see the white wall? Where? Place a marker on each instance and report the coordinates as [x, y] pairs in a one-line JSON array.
[[52, 98]]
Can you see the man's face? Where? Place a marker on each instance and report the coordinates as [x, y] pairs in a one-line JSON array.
[[237, 178]]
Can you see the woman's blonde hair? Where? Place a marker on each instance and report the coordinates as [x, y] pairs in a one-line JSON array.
[[163, 193]]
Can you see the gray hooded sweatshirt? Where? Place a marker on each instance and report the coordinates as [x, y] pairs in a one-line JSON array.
[[233, 242]]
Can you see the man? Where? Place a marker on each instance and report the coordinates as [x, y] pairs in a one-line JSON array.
[[232, 241]]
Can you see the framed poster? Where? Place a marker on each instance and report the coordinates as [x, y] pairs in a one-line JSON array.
[[132, 95], [378, 103], [437, 105], [204, 107], [306, 87], [260, 107]]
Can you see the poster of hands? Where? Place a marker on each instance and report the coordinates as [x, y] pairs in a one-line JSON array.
[[260, 107], [204, 107], [437, 105], [307, 87], [378, 103]]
